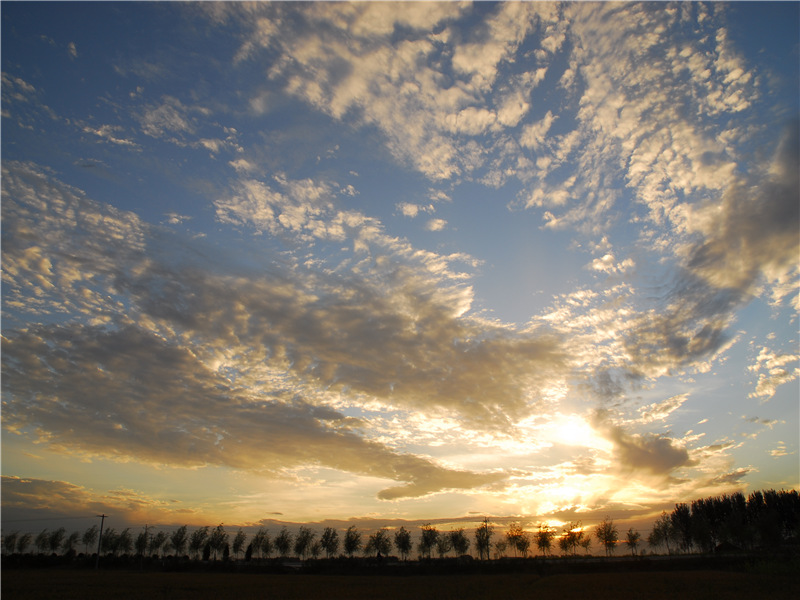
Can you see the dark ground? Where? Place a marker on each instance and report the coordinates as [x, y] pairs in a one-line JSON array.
[[88, 584]]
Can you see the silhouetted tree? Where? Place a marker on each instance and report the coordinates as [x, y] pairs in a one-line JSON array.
[[681, 517], [402, 541], [42, 541], [197, 541], [179, 539], [157, 542], [378, 543], [283, 542], [217, 540], [572, 536], [544, 538], [56, 539], [330, 541], [69, 543], [563, 544], [267, 545], [607, 535], [125, 541], [110, 541], [586, 542], [238, 542], [632, 540], [302, 543], [23, 542], [662, 533], [89, 538], [513, 535], [427, 540], [316, 549], [352, 541], [483, 539], [443, 545], [257, 542], [10, 542], [141, 543], [459, 541], [500, 548]]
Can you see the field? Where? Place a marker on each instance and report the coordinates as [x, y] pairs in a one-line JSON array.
[[37, 584]]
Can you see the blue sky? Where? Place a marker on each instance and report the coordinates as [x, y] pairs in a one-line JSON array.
[[308, 261]]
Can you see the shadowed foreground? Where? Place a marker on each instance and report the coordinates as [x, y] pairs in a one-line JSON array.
[[38, 584]]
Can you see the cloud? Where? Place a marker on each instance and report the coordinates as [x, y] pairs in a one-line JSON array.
[[662, 410], [651, 453], [425, 90], [108, 133], [72, 50], [751, 235], [127, 395], [778, 369], [40, 502], [436, 225], [189, 359]]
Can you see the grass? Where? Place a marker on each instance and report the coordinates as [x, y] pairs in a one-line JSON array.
[[35, 584]]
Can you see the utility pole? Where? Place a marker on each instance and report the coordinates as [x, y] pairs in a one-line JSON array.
[[100, 540]]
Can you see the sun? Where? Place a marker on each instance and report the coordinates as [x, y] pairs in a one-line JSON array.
[[575, 430]]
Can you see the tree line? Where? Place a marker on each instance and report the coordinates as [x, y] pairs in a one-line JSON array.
[[764, 520]]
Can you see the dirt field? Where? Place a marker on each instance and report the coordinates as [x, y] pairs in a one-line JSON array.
[[34, 584]]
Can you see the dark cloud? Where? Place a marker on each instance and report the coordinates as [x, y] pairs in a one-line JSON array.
[[128, 394], [754, 235], [30, 504], [649, 454]]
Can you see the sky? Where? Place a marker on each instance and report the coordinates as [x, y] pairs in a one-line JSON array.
[[396, 262]]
